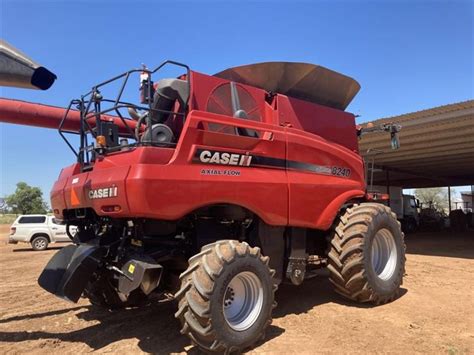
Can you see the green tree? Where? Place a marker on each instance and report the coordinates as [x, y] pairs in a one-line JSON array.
[[27, 200], [436, 196]]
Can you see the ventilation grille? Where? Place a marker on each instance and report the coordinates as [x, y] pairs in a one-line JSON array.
[[220, 102]]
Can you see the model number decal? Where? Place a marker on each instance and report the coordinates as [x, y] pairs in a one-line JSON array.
[[338, 171]]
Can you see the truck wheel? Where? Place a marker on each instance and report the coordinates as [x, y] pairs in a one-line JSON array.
[[226, 297], [40, 243], [367, 257], [409, 226]]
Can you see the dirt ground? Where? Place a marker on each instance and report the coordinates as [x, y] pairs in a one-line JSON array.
[[435, 313]]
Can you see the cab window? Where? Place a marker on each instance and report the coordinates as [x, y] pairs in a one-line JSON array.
[[32, 219]]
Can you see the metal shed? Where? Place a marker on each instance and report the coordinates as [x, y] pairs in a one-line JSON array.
[[436, 148]]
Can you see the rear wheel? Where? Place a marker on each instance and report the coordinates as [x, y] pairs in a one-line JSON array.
[[367, 257], [226, 297], [39, 243]]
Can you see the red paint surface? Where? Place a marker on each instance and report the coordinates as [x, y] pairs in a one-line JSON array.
[[165, 183], [38, 115]]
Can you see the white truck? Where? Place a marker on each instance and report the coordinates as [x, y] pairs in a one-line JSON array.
[[39, 231], [405, 207]]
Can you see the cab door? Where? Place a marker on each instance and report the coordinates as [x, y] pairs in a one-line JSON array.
[[58, 231]]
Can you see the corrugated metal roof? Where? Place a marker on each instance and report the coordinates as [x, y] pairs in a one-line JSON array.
[[437, 148], [428, 112]]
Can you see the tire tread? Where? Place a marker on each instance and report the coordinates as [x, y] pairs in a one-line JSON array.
[[198, 286], [346, 256]]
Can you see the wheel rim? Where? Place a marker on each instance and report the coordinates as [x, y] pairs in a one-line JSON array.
[[384, 254], [40, 243], [243, 301]]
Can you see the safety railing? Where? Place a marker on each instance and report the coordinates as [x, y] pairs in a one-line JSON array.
[[92, 107]]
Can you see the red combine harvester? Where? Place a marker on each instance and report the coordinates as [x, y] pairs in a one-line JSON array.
[[216, 189]]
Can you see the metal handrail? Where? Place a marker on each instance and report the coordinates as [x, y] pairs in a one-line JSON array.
[[89, 106]]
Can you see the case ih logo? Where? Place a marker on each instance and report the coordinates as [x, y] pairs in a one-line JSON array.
[[223, 158], [105, 192], [226, 158]]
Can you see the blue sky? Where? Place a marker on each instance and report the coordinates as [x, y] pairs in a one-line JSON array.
[[407, 55]]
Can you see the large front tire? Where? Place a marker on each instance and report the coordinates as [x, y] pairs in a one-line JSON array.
[[226, 297], [367, 257]]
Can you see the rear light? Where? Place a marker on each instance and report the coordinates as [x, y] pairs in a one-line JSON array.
[[113, 208], [376, 196], [101, 141], [12, 230]]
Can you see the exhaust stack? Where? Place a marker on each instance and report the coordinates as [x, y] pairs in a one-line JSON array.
[[18, 70]]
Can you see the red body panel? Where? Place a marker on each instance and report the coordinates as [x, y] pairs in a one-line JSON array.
[[334, 125], [311, 194], [293, 177]]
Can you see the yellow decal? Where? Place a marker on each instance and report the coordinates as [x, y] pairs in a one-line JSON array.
[[131, 268]]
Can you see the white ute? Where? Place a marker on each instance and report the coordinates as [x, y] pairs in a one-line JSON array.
[[39, 230]]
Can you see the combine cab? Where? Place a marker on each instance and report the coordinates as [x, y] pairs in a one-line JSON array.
[[217, 189]]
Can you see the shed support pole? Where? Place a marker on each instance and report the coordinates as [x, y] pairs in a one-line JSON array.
[[387, 174], [449, 199]]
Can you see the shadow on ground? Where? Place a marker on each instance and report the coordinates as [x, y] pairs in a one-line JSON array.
[[442, 243], [313, 293], [31, 250], [156, 328], [153, 326], [157, 331]]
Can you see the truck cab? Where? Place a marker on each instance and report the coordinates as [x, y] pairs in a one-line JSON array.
[[406, 207], [411, 216]]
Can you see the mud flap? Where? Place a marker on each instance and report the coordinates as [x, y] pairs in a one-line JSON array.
[[69, 270]]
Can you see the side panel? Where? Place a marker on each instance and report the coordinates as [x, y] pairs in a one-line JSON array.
[[58, 232], [76, 190], [57, 196], [37, 229], [325, 177], [331, 124], [190, 181]]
